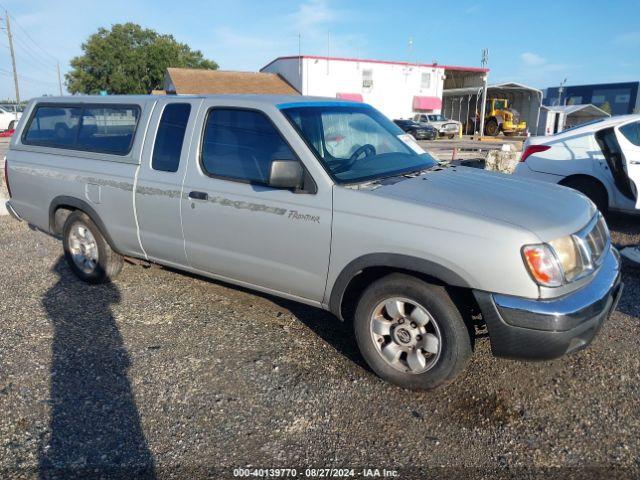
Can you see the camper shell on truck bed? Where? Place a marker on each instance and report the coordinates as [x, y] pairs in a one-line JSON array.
[[324, 202]]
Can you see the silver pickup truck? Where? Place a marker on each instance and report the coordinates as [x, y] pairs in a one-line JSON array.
[[327, 203]]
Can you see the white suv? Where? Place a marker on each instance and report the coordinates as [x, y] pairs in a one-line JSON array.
[[600, 159]]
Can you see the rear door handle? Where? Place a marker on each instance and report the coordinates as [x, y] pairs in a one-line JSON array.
[[198, 195]]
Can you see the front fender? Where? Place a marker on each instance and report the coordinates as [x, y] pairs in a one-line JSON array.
[[389, 260]]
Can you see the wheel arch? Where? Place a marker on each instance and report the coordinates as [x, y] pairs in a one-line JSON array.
[[566, 181], [62, 206], [368, 268]]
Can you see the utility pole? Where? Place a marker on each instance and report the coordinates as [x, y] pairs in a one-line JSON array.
[[59, 78], [13, 57], [483, 106]]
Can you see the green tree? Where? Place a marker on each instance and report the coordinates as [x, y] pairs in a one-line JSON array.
[[129, 59], [605, 107]]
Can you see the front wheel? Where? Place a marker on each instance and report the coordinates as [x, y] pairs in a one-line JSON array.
[[491, 128], [87, 252], [411, 333]]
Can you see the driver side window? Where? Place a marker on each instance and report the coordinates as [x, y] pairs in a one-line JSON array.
[[241, 144]]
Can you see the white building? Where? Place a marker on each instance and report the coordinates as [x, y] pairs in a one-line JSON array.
[[397, 89]]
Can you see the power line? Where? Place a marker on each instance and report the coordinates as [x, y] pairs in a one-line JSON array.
[[31, 51], [37, 57], [32, 40], [27, 78], [33, 60]]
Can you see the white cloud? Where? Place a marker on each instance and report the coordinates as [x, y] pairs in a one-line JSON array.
[[533, 59], [312, 15], [536, 70], [471, 9], [314, 20], [628, 39]]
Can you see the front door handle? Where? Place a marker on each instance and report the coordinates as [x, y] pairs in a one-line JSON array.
[[198, 195]]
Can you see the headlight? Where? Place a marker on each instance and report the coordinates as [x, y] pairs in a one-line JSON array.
[[543, 265], [568, 254], [568, 258]]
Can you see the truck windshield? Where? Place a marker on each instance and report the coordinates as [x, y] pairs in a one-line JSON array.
[[356, 143]]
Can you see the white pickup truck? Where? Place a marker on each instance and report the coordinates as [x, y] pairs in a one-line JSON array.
[[9, 116], [327, 203]]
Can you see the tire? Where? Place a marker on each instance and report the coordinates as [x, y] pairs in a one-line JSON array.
[[591, 189], [87, 252], [451, 137], [491, 128], [12, 125], [441, 338]]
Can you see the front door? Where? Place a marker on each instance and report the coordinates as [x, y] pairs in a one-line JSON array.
[[629, 139], [159, 183], [238, 228]]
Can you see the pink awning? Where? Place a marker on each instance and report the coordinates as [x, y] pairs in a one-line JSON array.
[[427, 103], [354, 97]]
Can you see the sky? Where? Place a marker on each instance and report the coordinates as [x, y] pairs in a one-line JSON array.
[[537, 43]]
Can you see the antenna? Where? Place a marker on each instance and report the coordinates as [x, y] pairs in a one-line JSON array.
[[300, 54], [560, 90], [328, 49], [485, 58], [483, 106]]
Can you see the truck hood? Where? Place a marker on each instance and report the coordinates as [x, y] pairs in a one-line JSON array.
[[549, 211]]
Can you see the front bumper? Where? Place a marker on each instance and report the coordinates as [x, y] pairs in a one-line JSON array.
[[425, 135], [545, 329], [11, 211]]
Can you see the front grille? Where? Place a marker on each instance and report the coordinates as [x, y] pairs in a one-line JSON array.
[[593, 241], [597, 240]]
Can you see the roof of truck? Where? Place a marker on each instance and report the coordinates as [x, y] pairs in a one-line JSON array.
[[255, 98]]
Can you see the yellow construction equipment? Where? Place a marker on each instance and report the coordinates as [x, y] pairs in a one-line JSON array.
[[500, 118]]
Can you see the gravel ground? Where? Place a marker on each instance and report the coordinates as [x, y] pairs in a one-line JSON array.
[[166, 375]]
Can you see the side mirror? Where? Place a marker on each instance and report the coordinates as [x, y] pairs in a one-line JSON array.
[[286, 174]]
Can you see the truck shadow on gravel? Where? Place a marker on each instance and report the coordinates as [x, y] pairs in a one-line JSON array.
[[336, 333], [95, 429]]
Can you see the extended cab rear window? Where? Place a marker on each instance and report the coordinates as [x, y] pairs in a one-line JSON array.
[[102, 128]]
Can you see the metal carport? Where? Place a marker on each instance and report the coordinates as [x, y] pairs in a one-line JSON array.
[[463, 104], [574, 115]]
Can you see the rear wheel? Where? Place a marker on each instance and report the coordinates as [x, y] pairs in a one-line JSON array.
[[87, 252], [592, 189], [491, 128], [411, 333], [451, 137]]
